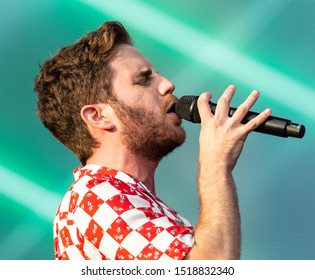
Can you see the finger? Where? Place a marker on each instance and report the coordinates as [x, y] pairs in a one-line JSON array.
[[258, 120], [203, 106], [223, 106], [243, 109]]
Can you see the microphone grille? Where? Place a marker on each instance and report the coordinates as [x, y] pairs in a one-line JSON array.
[[186, 108]]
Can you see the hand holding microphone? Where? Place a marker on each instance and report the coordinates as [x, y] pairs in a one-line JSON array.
[[186, 108]]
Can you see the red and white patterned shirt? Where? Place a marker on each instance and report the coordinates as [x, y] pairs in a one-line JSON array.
[[107, 214]]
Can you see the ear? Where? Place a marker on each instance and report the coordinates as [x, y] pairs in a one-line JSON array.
[[95, 115]]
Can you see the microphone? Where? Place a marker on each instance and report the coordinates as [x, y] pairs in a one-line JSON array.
[[186, 108]]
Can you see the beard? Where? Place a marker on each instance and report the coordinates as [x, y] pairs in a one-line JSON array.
[[147, 134]]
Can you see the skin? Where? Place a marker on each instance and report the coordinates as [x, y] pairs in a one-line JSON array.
[[137, 84], [218, 233]]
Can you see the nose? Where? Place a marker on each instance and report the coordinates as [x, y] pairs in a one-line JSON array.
[[166, 86]]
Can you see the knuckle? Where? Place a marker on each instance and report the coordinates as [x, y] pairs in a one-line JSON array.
[[204, 97], [224, 100], [252, 125], [242, 109], [217, 123]]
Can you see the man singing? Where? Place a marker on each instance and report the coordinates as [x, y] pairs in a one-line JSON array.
[[107, 103]]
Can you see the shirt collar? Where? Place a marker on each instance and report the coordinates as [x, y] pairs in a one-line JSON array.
[[98, 170]]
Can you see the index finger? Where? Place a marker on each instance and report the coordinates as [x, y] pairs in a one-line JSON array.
[[204, 107]]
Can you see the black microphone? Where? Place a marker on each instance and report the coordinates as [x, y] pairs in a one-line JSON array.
[[186, 108]]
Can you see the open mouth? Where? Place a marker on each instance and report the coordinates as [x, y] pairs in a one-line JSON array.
[[171, 112], [171, 108]]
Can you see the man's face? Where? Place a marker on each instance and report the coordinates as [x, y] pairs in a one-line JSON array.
[[149, 127]]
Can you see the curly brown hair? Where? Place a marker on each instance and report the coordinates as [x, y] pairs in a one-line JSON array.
[[78, 75]]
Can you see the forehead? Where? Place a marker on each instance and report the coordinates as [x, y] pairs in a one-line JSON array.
[[128, 59]]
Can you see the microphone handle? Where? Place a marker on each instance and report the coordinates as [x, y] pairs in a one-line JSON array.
[[273, 125]]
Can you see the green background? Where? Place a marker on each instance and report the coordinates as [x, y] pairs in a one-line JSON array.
[[201, 46]]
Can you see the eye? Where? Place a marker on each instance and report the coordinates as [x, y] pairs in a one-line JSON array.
[[143, 81], [143, 78]]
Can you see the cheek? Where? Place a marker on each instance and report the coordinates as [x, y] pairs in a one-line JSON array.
[[122, 89], [152, 105]]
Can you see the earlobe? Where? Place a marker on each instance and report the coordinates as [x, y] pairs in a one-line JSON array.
[[107, 123], [94, 115]]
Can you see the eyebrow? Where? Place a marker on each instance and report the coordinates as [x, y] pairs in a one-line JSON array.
[[143, 73]]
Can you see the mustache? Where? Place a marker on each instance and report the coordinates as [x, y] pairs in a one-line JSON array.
[[168, 102]]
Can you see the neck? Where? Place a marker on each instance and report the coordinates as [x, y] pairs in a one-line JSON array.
[[123, 160]]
